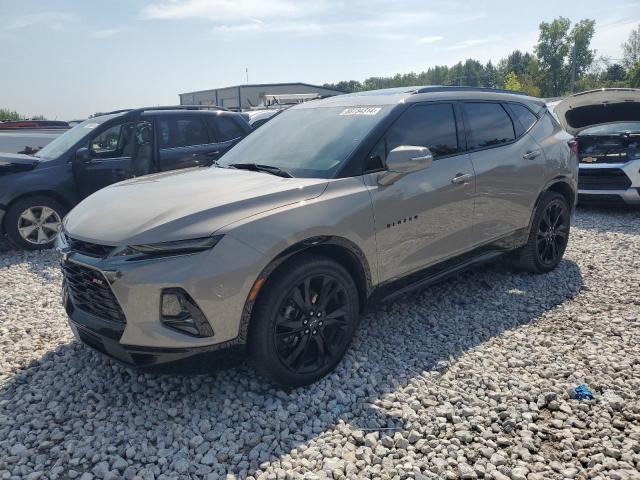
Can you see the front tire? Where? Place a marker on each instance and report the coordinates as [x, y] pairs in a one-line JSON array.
[[548, 237], [33, 223], [303, 321]]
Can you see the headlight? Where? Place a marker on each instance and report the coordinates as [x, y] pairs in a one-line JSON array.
[[172, 248]]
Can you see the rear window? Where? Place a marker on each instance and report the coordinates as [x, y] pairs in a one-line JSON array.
[[488, 125], [226, 128], [524, 116], [181, 132]]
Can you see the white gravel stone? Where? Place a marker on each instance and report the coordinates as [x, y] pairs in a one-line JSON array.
[[472, 378]]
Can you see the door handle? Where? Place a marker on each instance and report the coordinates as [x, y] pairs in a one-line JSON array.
[[531, 155], [461, 178]]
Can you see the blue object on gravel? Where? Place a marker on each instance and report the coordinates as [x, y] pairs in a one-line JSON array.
[[583, 392]]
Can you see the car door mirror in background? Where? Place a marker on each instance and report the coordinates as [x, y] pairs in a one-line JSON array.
[[84, 155], [404, 160]]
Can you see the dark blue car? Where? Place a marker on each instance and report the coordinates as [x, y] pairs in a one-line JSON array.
[[36, 191]]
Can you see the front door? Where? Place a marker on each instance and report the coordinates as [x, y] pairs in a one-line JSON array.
[[111, 152], [426, 216]]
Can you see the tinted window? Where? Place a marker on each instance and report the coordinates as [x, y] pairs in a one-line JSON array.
[[181, 132], [227, 129], [524, 115], [432, 126], [487, 125]]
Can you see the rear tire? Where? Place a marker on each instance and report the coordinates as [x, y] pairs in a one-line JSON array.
[[548, 236], [33, 223], [303, 321]]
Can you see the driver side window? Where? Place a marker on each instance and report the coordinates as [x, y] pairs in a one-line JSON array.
[[114, 142]]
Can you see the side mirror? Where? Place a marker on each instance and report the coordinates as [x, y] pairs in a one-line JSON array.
[[404, 160], [84, 155]]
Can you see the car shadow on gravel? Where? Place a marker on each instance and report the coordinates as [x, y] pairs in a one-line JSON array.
[[74, 403]]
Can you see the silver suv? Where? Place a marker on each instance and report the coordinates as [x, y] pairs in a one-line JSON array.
[[328, 207]]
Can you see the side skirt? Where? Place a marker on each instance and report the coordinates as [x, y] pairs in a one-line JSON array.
[[390, 291]]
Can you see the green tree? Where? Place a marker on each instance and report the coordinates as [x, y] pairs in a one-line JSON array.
[[631, 49], [9, 115], [552, 50], [580, 37], [633, 76], [511, 82], [615, 73]]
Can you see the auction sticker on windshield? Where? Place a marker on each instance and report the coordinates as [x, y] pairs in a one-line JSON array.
[[360, 111]]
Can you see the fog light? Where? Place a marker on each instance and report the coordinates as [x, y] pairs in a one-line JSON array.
[[180, 312]]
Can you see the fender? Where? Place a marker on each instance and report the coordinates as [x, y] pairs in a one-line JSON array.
[[313, 243], [560, 179]]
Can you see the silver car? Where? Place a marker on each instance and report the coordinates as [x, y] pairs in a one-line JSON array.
[[606, 123], [327, 208]]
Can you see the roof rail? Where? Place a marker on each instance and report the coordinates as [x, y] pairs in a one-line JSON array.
[[169, 107], [448, 88]]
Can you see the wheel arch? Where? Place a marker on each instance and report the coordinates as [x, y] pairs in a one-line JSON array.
[[34, 193], [343, 251], [560, 185]]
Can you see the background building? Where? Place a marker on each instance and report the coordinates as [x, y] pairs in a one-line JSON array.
[[246, 96]]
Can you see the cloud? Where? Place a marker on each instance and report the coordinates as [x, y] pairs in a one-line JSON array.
[[470, 43], [233, 11], [426, 40], [54, 20], [106, 33]]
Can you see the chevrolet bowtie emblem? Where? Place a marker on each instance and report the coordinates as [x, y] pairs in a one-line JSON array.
[[589, 159]]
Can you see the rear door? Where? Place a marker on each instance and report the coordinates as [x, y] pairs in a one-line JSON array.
[[508, 163], [425, 216], [184, 141]]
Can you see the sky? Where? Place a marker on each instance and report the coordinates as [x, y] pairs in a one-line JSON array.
[[67, 59]]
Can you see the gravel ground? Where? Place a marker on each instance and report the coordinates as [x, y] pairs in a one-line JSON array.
[[468, 379]]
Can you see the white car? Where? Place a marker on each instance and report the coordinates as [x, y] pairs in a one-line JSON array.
[[606, 124]]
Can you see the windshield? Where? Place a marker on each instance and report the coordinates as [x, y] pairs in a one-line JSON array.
[[613, 129], [307, 142], [68, 139]]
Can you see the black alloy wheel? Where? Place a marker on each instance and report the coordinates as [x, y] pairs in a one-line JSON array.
[[303, 320], [553, 233], [312, 324]]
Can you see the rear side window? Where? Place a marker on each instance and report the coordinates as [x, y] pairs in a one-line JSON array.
[[226, 128], [488, 124], [524, 116], [432, 126], [181, 132]]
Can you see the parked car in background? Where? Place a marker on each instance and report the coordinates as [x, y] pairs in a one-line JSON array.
[[606, 124], [329, 206], [36, 191], [29, 136]]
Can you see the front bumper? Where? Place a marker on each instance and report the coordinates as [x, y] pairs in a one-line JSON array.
[[610, 182], [219, 280]]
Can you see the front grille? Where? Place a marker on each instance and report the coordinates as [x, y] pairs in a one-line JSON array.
[[603, 179], [89, 249], [90, 291]]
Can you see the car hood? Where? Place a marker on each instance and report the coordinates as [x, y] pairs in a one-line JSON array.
[[598, 107], [16, 162], [182, 204]]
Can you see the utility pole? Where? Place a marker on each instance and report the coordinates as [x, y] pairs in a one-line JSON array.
[[573, 67], [247, 72]]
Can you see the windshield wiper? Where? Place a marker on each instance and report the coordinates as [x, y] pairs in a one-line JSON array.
[[256, 167]]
